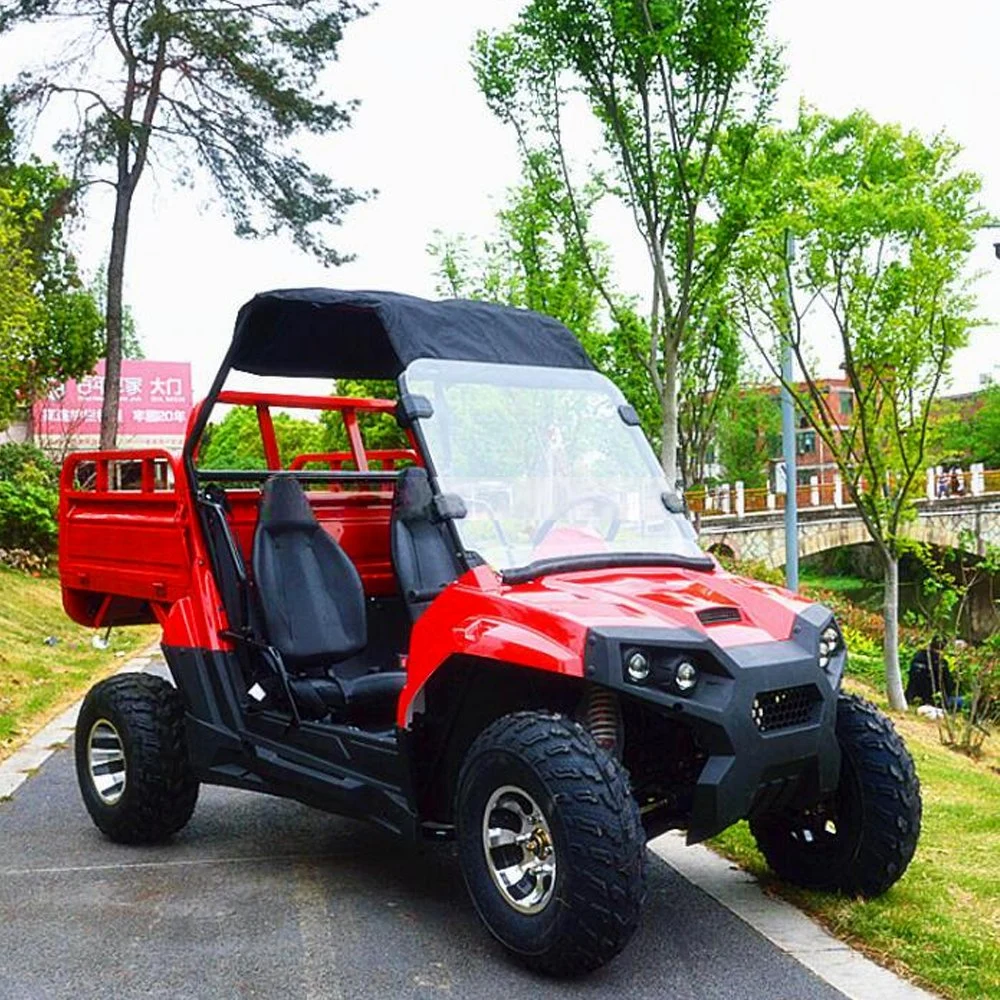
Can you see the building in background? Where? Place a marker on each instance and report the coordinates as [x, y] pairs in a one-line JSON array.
[[155, 402], [814, 458]]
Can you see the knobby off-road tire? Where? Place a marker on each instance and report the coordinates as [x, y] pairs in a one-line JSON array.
[[131, 759], [548, 769], [862, 844]]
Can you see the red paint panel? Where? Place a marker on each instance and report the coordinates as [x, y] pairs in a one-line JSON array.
[[473, 617]]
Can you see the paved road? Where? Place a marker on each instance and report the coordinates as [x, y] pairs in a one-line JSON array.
[[258, 897]]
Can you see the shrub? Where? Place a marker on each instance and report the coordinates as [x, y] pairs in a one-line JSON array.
[[26, 463], [29, 496], [28, 516]]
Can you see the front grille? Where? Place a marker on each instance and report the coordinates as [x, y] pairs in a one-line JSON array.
[[794, 706], [719, 614]]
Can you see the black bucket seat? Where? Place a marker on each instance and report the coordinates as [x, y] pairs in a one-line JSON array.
[[313, 605], [423, 553]]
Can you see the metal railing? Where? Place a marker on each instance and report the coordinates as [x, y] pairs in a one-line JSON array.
[[734, 500]]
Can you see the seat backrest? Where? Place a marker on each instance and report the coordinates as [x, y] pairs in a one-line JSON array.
[[423, 555], [311, 596]]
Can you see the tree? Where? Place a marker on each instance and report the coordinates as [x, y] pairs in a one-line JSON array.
[[884, 221], [944, 592], [968, 430], [223, 86], [49, 330], [710, 363], [131, 341], [748, 435], [528, 263], [235, 441], [680, 90], [20, 310]]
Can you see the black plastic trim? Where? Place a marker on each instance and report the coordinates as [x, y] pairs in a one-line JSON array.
[[741, 759], [628, 414], [447, 507], [411, 407], [603, 560], [674, 503], [338, 768]]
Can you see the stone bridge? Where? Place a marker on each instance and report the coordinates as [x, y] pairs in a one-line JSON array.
[[760, 535]]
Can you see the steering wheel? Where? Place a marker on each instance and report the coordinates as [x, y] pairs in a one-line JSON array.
[[497, 526], [595, 500]]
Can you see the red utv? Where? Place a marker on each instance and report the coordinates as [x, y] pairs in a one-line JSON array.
[[504, 633]]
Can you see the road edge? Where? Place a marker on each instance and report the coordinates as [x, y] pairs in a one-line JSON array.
[[783, 924]]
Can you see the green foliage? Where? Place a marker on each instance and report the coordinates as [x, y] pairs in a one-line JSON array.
[[944, 590], [29, 497], [27, 516], [885, 222], [224, 87], [711, 362], [967, 431], [49, 324], [678, 91], [25, 461], [531, 264], [235, 442], [131, 341], [754, 569], [378, 430], [747, 435]]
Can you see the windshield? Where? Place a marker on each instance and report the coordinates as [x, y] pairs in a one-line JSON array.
[[545, 463]]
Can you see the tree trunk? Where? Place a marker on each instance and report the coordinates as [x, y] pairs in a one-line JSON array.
[[29, 420], [113, 318], [668, 448], [893, 675]]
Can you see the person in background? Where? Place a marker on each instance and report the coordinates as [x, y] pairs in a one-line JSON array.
[[957, 482], [930, 680]]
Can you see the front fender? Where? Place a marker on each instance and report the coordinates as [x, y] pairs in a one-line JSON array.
[[465, 620]]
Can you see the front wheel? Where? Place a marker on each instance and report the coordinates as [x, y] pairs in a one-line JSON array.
[[550, 843], [131, 759], [862, 841]]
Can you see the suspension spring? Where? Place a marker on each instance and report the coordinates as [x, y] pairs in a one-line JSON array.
[[603, 717]]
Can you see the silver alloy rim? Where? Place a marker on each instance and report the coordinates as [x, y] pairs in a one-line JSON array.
[[520, 853], [106, 761]]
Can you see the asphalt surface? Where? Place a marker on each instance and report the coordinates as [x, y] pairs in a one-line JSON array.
[[258, 897]]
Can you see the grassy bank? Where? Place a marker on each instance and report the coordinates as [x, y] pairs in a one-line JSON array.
[[37, 680], [940, 924]]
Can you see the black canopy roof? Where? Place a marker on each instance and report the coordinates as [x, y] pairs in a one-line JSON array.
[[328, 333]]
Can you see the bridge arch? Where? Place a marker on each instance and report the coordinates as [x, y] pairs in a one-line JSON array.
[[762, 539]]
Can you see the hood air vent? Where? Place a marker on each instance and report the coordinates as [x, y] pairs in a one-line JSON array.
[[718, 615]]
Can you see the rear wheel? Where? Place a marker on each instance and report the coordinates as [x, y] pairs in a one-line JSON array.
[[550, 842], [131, 759], [861, 841]]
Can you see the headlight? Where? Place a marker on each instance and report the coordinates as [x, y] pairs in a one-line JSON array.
[[636, 666], [685, 676], [830, 643]]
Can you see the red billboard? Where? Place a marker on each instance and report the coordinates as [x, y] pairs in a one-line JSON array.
[[153, 408]]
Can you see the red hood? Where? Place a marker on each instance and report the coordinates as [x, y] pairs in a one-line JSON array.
[[664, 597]]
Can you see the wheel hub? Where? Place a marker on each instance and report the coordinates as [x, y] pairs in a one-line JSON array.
[[520, 854], [106, 761]]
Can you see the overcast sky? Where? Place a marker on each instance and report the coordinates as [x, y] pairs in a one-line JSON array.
[[424, 138]]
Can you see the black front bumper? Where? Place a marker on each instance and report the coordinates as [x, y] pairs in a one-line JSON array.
[[764, 714]]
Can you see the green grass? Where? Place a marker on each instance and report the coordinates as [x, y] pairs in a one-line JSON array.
[[38, 681], [940, 924]]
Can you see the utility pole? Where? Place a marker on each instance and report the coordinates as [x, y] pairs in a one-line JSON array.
[[788, 431]]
